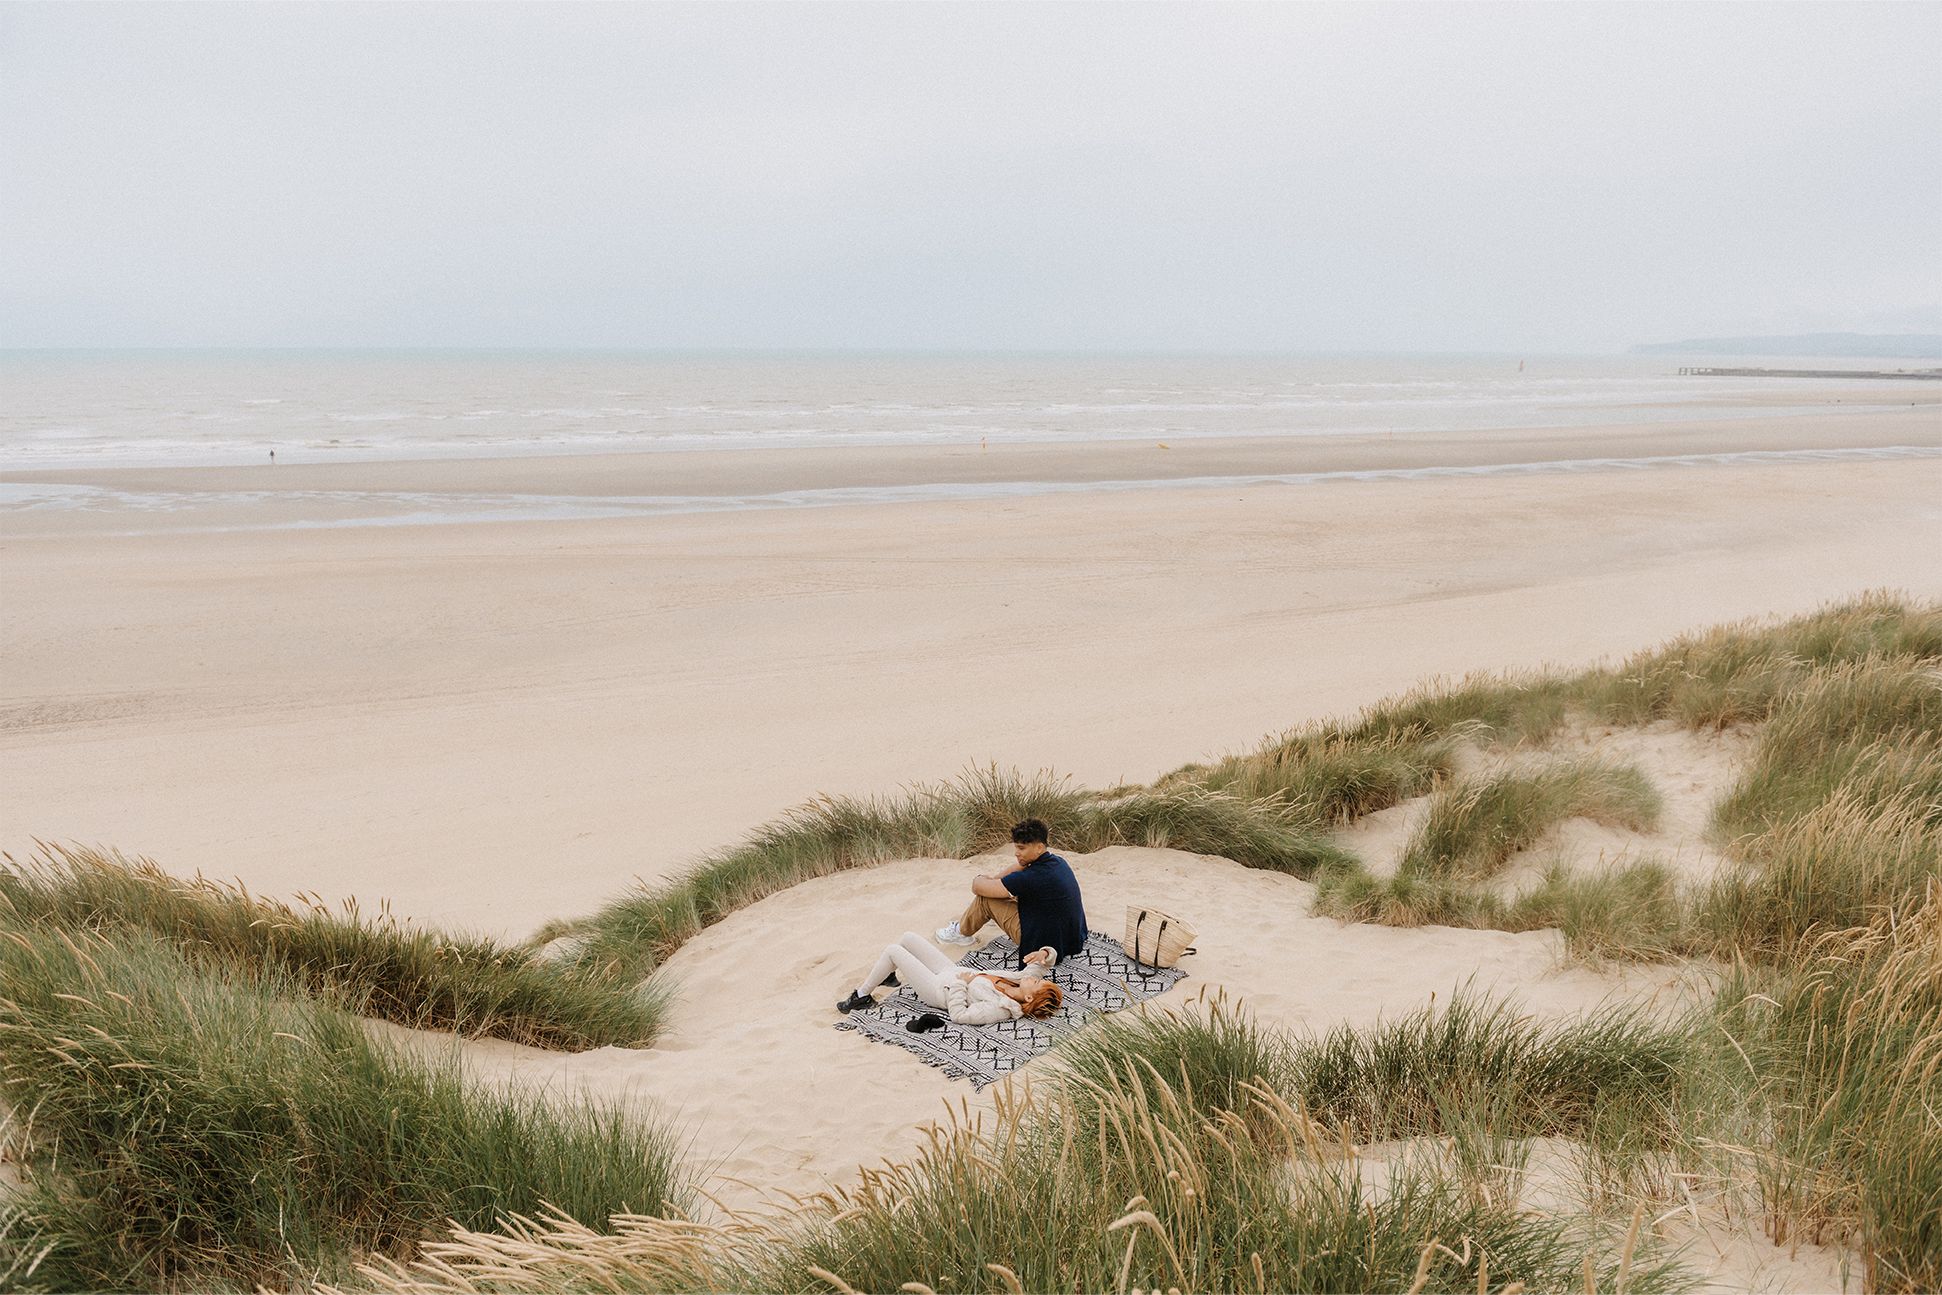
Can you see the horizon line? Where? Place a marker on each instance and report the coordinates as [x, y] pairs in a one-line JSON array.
[[764, 351]]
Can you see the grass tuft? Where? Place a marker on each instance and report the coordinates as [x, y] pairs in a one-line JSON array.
[[186, 1126], [1474, 827], [1848, 1053], [1837, 867], [1403, 1078], [1871, 727], [372, 965]]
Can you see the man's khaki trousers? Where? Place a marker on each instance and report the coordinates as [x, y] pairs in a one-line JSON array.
[[1002, 911]]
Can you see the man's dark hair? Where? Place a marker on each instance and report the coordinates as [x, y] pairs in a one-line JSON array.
[[1028, 831]]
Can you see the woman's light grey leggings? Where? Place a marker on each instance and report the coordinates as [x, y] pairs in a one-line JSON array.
[[918, 963]]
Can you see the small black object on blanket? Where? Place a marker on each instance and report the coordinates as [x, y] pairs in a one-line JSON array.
[[925, 1024]]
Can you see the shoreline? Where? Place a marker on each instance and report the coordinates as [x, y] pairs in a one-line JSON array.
[[766, 470], [131, 502]]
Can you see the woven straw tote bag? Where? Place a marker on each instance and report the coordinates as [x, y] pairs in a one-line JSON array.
[[1155, 938]]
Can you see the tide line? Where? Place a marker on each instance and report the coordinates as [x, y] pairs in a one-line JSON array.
[[425, 508]]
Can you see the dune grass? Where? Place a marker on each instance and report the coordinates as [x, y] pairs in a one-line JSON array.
[[1839, 817], [1472, 830], [1846, 1051], [1474, 827], [1164, 1153], [370, 964], [1329, 776], [1872, 726], [1402, 1078], [1636, 912], [1267, 833], [1737, 674], [1405, 1077], [194, 1126], [627, 939], [1838, 866]]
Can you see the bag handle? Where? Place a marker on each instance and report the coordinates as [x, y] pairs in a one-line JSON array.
[[1138, 928]]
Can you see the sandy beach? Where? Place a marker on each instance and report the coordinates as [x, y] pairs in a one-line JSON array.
[[494, 725], [546, 549]]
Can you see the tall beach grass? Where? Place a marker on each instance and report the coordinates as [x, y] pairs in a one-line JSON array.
[[189, 1126], [1846, 1050], [1166, 1152], [371, 964]]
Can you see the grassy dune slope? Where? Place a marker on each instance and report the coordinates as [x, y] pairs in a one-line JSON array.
[[375, 966], [197, 1107], [194, 1126]]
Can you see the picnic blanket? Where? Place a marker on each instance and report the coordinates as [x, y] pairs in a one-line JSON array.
[[1100, 978]]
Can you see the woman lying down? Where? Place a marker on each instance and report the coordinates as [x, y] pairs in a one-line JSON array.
[[968, 995]]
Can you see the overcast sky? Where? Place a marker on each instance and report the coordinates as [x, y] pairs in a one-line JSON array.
[[1254, 177]]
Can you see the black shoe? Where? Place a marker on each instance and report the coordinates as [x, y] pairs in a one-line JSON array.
[[925, 1024], [854, 1001], [891, 981]]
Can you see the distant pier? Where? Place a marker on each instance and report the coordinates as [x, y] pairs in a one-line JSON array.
[[1933, 375]]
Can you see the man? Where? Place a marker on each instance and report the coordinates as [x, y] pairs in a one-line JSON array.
[[1035, 901]]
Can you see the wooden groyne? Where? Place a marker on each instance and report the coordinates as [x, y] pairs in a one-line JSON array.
[[1929, 374]]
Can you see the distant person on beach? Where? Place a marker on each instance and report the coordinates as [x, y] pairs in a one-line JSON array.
[[1035, 901], [968, 995]]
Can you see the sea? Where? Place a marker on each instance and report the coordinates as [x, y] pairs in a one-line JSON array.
[[74, 409]]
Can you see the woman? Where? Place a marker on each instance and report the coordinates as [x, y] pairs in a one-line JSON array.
[[970, 996]]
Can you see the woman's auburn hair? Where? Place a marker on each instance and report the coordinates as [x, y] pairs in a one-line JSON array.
[[1045, 1000]]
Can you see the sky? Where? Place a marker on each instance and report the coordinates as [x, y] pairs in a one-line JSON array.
[[1258, 177]]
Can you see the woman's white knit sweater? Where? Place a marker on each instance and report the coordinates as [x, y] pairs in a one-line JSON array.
[[975, 1000]]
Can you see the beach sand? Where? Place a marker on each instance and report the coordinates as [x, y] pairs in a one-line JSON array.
[[494, 725], [776, 1100]]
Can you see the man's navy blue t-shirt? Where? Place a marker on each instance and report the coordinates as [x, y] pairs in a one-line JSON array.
[[1049, 911]]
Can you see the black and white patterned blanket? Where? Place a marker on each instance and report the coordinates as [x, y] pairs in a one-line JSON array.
[[1100, 978]]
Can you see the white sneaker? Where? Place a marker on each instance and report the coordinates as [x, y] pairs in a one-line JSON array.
[[951, 935]]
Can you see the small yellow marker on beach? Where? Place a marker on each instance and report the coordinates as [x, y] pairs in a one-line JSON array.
[[1161, 444]]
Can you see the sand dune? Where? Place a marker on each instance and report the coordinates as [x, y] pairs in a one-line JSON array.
[[778, 1100]]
